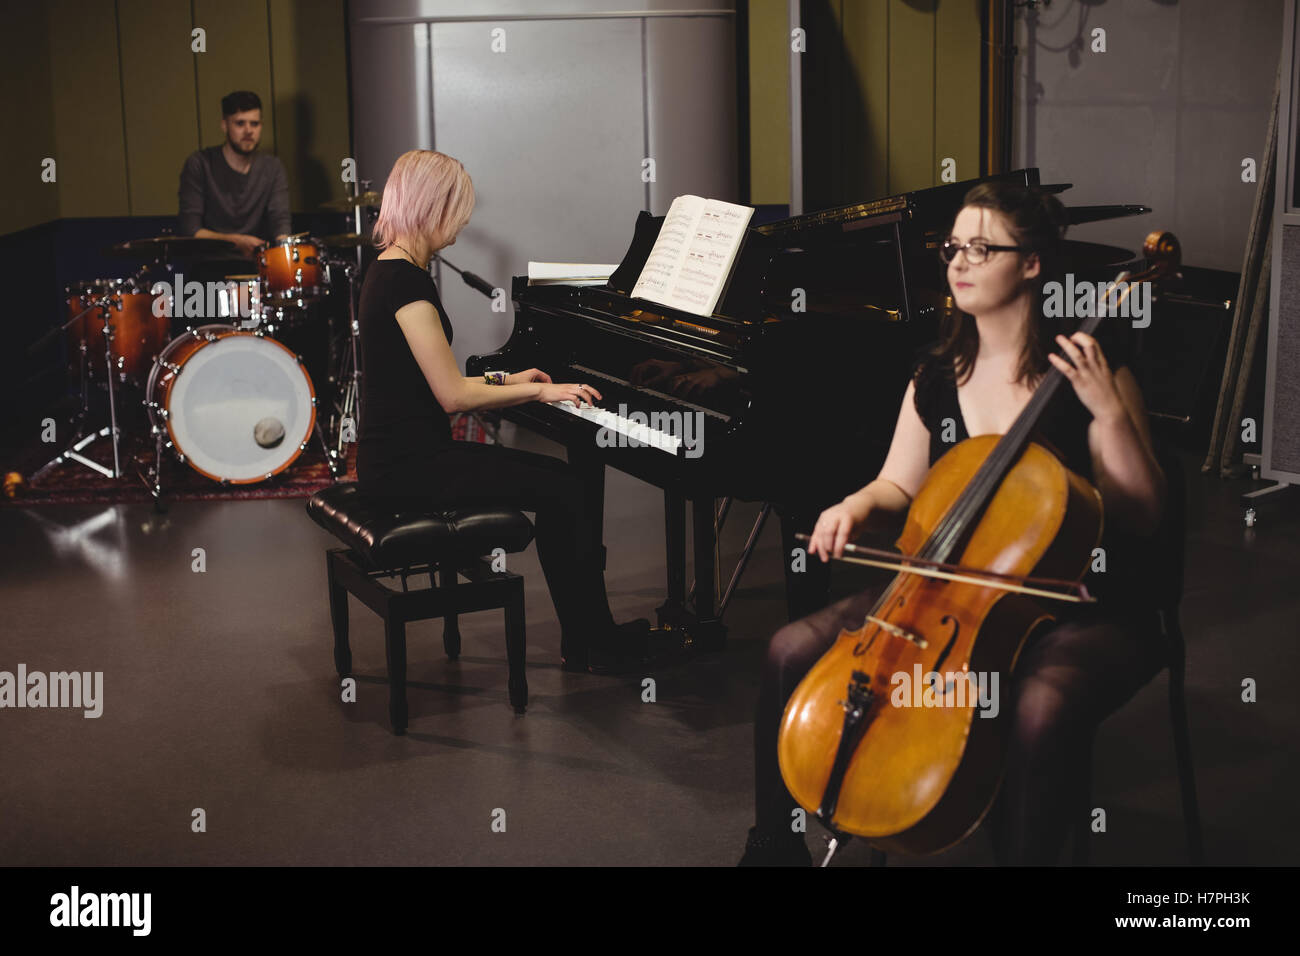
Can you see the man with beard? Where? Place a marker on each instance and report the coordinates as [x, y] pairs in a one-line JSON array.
[[230, 191]]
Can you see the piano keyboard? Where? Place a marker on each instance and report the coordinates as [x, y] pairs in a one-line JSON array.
[[623, 426]]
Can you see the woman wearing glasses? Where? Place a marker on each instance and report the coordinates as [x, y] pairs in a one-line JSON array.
[[994, 350]]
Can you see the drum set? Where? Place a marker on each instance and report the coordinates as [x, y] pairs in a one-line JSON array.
[[226, 396]]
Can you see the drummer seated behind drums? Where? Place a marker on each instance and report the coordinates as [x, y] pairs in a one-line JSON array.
[[231, 191], [994, 351]]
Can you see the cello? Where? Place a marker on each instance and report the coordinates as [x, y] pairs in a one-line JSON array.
[[891, 735]]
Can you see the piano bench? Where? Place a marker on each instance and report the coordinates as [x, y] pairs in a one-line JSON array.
[[384, 544]]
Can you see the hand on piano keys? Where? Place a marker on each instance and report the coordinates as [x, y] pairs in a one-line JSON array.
[[577, 395]]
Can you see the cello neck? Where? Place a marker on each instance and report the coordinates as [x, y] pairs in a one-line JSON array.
[[966, 509]]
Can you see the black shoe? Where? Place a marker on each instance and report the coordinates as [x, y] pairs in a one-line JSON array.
[[620, 651], [781, 849]]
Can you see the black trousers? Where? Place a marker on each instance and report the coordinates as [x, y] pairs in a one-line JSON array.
[[1068, 679], [469, 474]]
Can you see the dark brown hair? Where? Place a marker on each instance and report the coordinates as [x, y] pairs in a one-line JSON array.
[[1037, 220], [240, 101]]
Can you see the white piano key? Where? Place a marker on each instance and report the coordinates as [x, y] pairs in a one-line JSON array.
[[637, 431]]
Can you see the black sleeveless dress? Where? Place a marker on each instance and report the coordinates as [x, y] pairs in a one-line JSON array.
[[1064, 428]]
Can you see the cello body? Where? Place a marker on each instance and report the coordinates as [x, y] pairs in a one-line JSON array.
[[854, 747]]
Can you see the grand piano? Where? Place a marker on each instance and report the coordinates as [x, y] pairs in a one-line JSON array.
[[791, 387]]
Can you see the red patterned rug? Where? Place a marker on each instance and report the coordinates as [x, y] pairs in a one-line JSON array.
[[72, 483]]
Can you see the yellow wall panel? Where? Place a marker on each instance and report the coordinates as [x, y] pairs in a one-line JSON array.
[[25, 87], [911, 97], [769, 101], [238, 57], [87, 103], [957, 86], [309, 76], [865, 28], [158, 97]]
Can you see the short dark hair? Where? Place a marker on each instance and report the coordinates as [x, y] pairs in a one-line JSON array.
[[240, 101]]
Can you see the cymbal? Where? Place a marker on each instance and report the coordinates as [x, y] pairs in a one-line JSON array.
[[348, 203], [347, 239], [166, 247]]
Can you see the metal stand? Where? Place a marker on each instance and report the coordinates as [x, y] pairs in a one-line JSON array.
[[82, 439], [1261, 497], [347, 407], [750, 544]]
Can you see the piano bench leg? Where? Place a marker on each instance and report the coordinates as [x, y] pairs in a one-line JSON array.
[[450, 621]]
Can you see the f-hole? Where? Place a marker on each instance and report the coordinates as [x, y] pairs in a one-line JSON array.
[[952, 638]]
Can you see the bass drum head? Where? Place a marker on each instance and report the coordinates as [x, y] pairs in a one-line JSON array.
[[241, 408]]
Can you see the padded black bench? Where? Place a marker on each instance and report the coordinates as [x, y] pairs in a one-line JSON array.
[[383, 544]]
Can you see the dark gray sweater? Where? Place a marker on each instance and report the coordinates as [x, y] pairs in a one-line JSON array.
[[214, 196]]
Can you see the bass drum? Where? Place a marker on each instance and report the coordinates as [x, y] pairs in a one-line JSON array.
[[238, 407]]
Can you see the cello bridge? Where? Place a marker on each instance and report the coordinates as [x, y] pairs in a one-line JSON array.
[[899, 632]]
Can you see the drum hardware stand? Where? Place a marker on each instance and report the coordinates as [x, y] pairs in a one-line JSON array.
[[347, 407], [82, 440]]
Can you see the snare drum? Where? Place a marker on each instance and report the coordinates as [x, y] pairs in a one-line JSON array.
[[138, 334], [237, 406], [240, 302], [292, 271]]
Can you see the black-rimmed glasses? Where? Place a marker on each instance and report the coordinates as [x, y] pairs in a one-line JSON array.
[[977, 250]]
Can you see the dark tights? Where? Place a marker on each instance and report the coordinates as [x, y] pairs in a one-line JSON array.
[[474, 475], [1068, 679]]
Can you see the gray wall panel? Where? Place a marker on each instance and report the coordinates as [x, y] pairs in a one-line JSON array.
[[692, 111], [551, 132], [390, 96], [1164, 117]]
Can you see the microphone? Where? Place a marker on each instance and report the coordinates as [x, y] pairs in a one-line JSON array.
[[474, 282]]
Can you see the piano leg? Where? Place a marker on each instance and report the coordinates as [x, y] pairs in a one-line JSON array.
[[700, 624], [672, 611], [807, 590], [708, 628]]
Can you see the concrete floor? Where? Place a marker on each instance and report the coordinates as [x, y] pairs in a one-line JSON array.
[[219, 693]]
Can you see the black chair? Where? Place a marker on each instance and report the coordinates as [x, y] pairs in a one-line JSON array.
[[445, 545], [1168, 554], [1168, 549]]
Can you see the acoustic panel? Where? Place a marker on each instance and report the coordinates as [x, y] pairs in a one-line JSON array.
[[1282, 427]]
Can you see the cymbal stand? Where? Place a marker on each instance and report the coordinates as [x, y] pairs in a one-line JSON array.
[[347, 407], [82, 440]]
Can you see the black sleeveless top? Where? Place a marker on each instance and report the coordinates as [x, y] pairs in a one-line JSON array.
[[403, 428], [1064, 428]]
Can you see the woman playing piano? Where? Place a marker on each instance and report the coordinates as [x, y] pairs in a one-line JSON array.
[[993, 352], [405, 451]]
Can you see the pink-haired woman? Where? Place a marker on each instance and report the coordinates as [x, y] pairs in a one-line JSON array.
[[405, 451]]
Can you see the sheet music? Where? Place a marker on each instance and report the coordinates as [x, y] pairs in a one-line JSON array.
[[692, 258]]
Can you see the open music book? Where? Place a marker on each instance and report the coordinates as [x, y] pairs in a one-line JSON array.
[[691, 260]]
